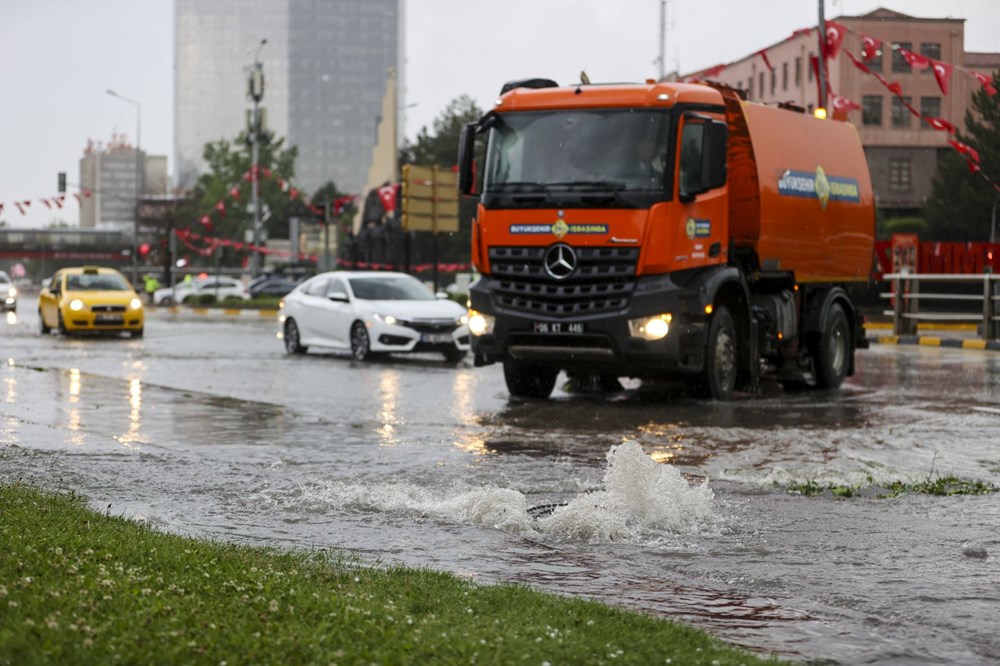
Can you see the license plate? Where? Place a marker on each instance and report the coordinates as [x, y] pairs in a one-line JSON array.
[[107, 319], [558, 327], [435, 338]]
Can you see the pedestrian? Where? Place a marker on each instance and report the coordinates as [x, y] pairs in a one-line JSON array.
[[151, 284]]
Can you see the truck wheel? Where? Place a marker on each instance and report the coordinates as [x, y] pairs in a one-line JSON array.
[[718, 379], [832, 355], [529, 381]]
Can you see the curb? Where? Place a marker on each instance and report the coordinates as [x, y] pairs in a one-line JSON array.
[[931, 341], [216, 313]]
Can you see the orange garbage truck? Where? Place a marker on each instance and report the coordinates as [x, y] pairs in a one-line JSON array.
[[665, 230]]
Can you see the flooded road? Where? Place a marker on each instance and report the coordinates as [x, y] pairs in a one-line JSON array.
[[644, 498]]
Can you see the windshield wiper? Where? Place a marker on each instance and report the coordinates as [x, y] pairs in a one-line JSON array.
[[587, 185], [518, 186]]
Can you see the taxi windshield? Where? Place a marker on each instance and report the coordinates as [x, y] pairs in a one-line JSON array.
[[96, 282]]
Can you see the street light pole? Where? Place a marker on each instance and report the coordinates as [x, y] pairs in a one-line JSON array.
[[138, 181], [255, 89], [993, 218]]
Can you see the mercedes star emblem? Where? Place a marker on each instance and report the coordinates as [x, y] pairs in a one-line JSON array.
[[560, 261]]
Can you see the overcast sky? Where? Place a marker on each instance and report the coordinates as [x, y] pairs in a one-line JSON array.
[[60, 57]]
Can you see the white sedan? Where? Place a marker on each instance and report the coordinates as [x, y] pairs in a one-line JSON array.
[[371, 313], [221, 287]]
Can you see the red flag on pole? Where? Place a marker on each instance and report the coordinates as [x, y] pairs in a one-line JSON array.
[[942, 72], [835, 33]]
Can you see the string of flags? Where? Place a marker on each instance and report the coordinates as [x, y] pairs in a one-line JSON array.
[[51, 203]]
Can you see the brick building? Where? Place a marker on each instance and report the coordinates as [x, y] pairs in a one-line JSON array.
[[902, 150]]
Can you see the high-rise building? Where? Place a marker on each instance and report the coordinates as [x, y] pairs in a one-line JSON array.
[[108, 179], [325, 66]]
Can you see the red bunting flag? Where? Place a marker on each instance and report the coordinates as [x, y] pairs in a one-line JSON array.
[[1, 207], [293, 193], [870, 46], [987, 83], [282, 184], [915, 60], [942, 72], [221, 207], [835, 33], [844, 104], [21, 205], [235, 192], [59, 200], [857, 63], [940, 124], [964, 149], [763, 54], [78, 200], [46, 203], [86, 194], [801, 32], [247, 177]]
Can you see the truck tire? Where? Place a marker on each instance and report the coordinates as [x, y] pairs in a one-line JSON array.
[[529, 381], [718, 378], [833, 353]]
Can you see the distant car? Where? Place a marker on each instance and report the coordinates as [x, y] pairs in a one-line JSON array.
[[90, 299], [371, 313], [8, 293], [274, 285], [221, 287]]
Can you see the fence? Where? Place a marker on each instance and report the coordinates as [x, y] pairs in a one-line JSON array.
[[944, 298]]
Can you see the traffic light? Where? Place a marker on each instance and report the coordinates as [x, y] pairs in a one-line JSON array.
[[62, 182], [144, 249]]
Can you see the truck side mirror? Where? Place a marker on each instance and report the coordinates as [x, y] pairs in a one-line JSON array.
[[466, 143]]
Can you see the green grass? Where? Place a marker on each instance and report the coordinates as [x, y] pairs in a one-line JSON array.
[[942, 486], [80, 587]]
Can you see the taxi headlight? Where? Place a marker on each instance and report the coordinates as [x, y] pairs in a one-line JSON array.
[[480, 324], [76, 305], [135, 304], [650, 328]]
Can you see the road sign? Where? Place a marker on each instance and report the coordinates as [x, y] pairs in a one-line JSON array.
[[430, 199]]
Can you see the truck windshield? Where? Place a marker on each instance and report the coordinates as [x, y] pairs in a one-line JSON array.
[[578, 150]]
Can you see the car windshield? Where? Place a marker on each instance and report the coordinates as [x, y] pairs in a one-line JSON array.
[[4, 277], [96, 282], [390, 289], [578, 150]]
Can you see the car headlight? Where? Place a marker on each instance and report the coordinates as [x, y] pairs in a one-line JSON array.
[[479, 323], [135, 304], [462, 321], [76, 305], [650, 328], [385, 319], [12, 292]]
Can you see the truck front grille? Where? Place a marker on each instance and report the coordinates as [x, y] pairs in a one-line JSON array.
[[602, 282]]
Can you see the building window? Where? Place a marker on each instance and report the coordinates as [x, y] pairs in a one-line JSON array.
[[774, 82], [750, 87], [798, 72], [900, 112], [931, 50], [871, 110], [761, 82], [930, 107], [784, 76], [811, 73], [899, 63], [899, 174]]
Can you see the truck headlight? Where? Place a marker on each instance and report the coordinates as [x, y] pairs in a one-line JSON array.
[[650, 328], [480, 324]]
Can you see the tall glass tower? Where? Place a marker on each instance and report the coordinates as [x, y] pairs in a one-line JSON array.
[[325, 65]]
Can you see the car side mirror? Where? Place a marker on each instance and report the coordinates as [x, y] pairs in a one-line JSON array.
[[338, 297]]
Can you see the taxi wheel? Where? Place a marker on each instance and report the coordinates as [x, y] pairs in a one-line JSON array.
[[44, 329], [137, 333], [61, 327]]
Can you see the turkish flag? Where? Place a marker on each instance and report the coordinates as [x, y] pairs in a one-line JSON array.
[[940, 124], [221, 207], [387, 195], [843, 103], [857, 63], [870, 46], [964, 149], [915, 60], [987, 83], [942, 72], [835, 33]]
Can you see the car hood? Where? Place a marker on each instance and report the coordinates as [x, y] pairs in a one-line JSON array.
[[102, 297], [411, 310]]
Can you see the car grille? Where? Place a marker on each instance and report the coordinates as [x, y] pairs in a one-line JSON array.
[[602, 282], [107, 308], [432, 325]]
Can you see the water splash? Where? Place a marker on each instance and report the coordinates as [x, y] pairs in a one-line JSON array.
[[640, 498]]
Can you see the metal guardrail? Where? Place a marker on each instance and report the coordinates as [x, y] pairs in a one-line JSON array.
[[944, 298]]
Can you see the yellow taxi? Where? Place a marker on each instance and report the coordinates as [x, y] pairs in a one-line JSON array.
[[90, 299]]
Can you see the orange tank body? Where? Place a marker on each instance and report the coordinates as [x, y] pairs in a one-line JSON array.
[[800, 193]]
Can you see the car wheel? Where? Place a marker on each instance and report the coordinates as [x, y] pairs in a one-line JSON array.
[[718, 379], [454, 355], [529, 381], [361, 346], [167, 300], [833, 352], [137, 333], [61, 326], [293, 343], [42, 327]]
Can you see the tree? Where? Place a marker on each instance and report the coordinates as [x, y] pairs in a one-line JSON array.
[[227, 181], [441, 148], [961, 203]]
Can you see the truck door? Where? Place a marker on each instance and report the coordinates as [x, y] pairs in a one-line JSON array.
[[703, 224]]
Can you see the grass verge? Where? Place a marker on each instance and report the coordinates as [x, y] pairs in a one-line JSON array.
[[942, 486], [80, 587]]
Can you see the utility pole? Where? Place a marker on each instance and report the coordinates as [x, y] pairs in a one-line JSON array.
[[663, 39], [255, 89], [822, 58]]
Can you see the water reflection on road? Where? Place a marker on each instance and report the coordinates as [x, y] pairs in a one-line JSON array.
[[208, 429]]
